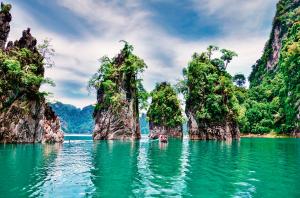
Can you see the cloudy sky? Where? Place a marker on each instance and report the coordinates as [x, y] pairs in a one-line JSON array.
[[165, 33]]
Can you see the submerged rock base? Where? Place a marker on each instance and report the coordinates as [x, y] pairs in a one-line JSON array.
[[29, 122], [213, 131], [111, 126], [296, 134], [156, 131]]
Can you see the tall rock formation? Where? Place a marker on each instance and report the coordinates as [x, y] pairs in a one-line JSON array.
[[117, 111], [279, 67], [287, 14], [24, 115], [211, 105], [219, 130], [164, 113]]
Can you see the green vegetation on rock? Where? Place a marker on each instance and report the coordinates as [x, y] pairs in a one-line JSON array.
[[272, 102], [24, 115], [165, 107], [22, 73], [208, 88], [126, 67]]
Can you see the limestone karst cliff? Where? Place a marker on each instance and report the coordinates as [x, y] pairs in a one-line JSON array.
[[287, 15], [211, 105], [117, 111], [164, 113], [24, 115], [274, 103]]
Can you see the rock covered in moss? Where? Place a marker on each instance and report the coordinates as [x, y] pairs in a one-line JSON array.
[[24, 115], [164, 113], [29, 121], [227, 130], [112, 126], [211, 105], [116, 124], [273, 102], [287, 14], [117, 111]]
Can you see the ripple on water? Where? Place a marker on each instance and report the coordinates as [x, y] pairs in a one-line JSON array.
[[83, 168]]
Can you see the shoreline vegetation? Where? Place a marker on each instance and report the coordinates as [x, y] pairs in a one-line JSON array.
[[268, 135], [242, 135]]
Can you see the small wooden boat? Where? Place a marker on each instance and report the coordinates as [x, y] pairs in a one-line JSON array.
[[163, 138]]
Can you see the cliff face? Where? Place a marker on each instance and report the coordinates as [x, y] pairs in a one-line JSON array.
[[24, 115], [121, 124], [276, 75], [29, 121], [227, 130], [165, 113], [156, 130], [117, 111], [211, 104], [286, 15]]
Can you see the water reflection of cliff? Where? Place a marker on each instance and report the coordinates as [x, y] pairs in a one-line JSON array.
[[221, 164], [139, 169], [161, 169], [114, 168]]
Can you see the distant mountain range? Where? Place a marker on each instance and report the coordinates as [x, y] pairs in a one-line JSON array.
[[73, 119], [76, 120]]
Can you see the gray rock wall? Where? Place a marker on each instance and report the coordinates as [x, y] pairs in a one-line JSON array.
[[24, 115], [155, 131], [226, 130]]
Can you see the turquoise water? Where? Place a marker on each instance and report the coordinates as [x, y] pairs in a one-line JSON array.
[[83, 168]]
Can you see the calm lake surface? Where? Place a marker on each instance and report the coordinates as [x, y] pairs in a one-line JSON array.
[[251, 167]]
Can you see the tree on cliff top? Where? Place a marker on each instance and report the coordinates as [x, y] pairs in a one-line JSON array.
[[118, 75], [208, 88], [273, 99], [273, 105], [21, 65], [165, 107]]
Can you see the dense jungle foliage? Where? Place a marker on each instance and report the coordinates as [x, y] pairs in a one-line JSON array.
[[273, 101], [22, 73], [165, 109], [208, 88], [125, 67]]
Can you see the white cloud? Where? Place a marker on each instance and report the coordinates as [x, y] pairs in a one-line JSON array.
[[165, 54], [238, 16]]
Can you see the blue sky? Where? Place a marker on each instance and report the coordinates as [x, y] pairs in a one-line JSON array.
[[165, 33]]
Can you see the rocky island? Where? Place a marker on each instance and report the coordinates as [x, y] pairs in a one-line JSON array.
[[211, 105], [119, 93], [25, 116], [164, 113]]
